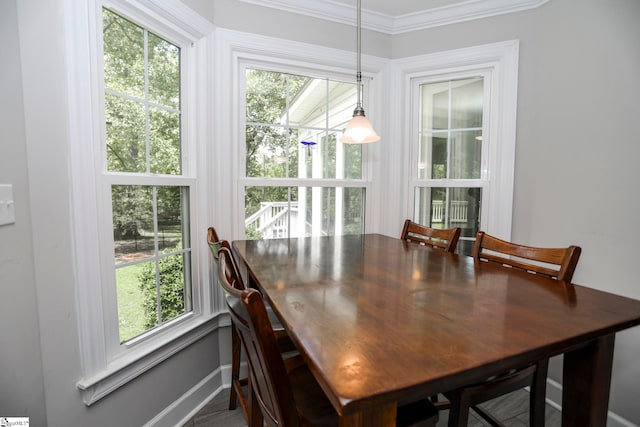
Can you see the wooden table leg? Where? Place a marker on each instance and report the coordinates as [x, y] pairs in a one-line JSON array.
[[586, 383], [379, 416]]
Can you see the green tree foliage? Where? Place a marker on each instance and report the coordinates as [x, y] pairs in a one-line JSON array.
[[172, 302], [132, 210], [142, 123], [142, 108], [272, 149]]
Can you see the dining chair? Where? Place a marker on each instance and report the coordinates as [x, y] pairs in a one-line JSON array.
[[446, 239], [284, 343], [284, 392], [555, 263], [561, 262]]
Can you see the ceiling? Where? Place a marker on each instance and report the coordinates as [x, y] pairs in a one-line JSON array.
[[400, 16]]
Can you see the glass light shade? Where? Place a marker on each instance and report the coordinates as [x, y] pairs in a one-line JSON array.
[[359, 131]]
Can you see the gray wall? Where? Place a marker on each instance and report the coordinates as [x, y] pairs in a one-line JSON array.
[[578, 144], [578, 131], [234, 15], [21, 379], [39, 345], [578, 118], [577, 147]]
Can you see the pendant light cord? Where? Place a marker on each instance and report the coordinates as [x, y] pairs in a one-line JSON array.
[[358, 129], [359, 54]]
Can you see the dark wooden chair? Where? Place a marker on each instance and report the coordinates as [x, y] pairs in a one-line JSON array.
[[284, 343], [556, 263], [446, 239], [284, 392]]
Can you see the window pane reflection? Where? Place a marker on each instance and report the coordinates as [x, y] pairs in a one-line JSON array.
[[451, 129]]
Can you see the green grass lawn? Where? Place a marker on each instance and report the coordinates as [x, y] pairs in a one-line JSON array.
[[130, 310]]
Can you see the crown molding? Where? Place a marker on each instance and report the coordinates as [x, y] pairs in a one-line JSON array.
[[339, 12]]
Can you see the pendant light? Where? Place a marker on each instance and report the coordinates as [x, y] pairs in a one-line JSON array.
[[359, 130]]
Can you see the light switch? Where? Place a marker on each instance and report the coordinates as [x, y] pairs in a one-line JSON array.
[[7, 206]]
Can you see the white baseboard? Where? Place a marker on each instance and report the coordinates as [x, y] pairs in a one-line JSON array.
[[554, 398], [180, 411]]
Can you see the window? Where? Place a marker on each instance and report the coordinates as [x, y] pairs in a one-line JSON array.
[[143, 146], [299, 179], [450, 160], [141, 286], [463, 139]]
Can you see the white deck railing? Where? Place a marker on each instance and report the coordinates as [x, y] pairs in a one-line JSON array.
[[457, 211], [275, 219]]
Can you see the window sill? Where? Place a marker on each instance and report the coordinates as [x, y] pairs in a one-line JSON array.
[[121, 371]]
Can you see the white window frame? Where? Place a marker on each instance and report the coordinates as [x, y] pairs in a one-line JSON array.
[[302, 183], [107, 364], [240, 50], [498, 63]]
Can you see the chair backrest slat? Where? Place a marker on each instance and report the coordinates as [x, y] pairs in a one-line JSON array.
[[559, 263], [232, 272], [446, 239], [214, 242]]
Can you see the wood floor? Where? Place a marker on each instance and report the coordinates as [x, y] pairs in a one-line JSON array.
[[511, 409]]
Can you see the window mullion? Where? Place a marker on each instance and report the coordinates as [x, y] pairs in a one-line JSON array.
[[148, 179], [449, 113], [156, 256], [147, 114]]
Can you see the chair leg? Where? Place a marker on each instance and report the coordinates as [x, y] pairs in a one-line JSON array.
[[235, 367], [538, 395], [459, 412]]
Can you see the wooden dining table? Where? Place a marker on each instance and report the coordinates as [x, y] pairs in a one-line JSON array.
[[382, 322]]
